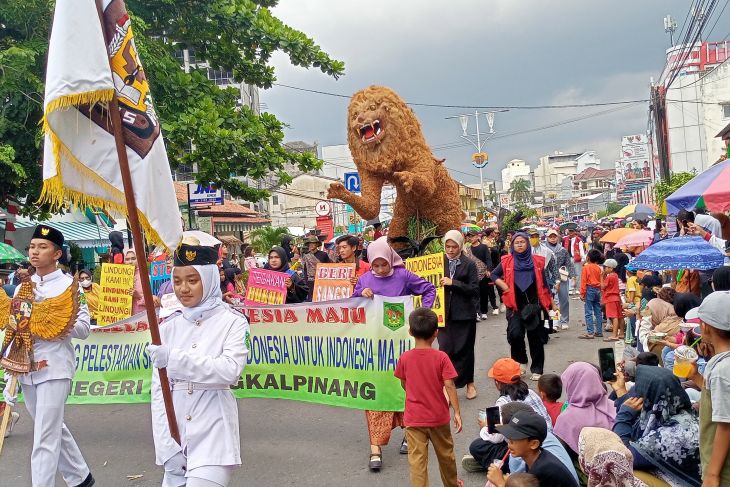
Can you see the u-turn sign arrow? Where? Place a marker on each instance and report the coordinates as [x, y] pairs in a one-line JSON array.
[[352, 181]]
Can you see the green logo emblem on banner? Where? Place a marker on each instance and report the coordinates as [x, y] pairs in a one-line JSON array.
[[394, 315]]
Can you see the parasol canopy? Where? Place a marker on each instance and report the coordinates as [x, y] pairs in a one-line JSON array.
[[639, 238], [709, 189], [568, 226], [465, 227], [637, 209], [205, 238], [8, 255], [616, 234], [679, 253]]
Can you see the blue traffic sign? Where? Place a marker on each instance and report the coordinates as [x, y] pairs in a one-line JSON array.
[[352, 181]]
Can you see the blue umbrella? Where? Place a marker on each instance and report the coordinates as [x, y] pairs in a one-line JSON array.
[[679, 253]]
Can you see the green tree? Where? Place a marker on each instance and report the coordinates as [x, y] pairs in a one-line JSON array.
[[263, 238], [520, 190], [663, 189], [527, 212], [611, 208], [239, 36]]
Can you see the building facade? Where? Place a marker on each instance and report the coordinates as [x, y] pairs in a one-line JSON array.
[[515, 169], [471, 201], [697, 105], [294, 204], [554, 168], [592, 181], [228, 219], [337, 161]]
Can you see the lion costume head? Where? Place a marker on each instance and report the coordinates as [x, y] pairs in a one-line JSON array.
[[387, 145], [381, 128]]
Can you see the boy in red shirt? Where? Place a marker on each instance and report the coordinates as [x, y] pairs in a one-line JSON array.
[[611, 297], [424, 372], [550, 388], [590, 293]]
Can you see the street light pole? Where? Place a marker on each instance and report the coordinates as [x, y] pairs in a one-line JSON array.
[[480, 159], [479, 150]]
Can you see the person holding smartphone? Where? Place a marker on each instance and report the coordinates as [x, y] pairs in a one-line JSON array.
[[720, 244], [492, 446]]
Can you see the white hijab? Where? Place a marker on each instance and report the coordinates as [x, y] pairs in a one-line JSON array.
[[212, 295]]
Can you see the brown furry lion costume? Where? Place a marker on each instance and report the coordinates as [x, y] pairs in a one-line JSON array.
[[387, 144]]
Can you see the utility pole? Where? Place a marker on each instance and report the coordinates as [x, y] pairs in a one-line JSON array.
[[658, 110], [670, 25]]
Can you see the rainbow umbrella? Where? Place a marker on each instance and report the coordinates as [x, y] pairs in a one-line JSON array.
[[709, 189]]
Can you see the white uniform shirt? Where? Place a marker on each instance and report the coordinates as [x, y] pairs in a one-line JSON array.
[[212, 351], [60, 356], [709, 223]]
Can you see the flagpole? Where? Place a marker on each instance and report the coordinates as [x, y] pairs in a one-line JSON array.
[[133, 224]]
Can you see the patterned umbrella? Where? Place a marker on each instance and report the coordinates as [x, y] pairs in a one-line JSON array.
[[8, 255], [709, 189], [679, 253]]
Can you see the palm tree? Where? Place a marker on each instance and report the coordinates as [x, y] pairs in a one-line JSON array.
[[263, 238], [520, 190]]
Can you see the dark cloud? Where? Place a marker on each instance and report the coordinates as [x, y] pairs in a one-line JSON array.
[[496, 52]]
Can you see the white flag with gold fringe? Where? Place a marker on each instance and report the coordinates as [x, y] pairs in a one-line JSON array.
[[80, 163]]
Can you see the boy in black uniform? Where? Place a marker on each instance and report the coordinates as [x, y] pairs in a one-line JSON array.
[[525, 433]]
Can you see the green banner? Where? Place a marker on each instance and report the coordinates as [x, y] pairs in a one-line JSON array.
[[341, 353]]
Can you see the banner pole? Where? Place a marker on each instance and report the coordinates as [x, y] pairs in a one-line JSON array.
[[13, 387], [133, 225]]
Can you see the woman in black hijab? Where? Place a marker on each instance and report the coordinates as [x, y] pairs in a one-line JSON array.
[[296, 287]]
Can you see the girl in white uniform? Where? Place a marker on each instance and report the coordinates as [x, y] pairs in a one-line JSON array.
[[204, 348]]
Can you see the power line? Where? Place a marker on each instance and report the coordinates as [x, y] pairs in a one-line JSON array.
[[699, 19], [688, 23], [717, 19], [472, 107], [458, 144]]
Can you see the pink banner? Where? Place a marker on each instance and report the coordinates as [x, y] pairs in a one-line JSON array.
[[265, 287]]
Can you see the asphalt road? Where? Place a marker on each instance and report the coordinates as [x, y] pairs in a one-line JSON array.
[[285, 442]]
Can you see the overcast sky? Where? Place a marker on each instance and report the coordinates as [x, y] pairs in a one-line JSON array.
[[487, 53]]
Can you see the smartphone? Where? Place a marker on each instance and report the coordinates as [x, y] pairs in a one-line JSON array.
[[607, 364], [493, 419]]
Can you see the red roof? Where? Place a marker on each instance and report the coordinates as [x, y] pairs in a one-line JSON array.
[[233, 212], [228, 207], [239, 219], [593, 173]]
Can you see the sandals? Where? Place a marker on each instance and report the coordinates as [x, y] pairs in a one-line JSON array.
[[376, 461], [403, 450], [471, 396], [611, 339], [587, 336]]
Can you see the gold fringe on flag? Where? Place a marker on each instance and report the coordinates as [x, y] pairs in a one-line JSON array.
[[56, 194]]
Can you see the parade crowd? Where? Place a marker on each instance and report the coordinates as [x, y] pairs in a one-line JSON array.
[[659, 417]]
